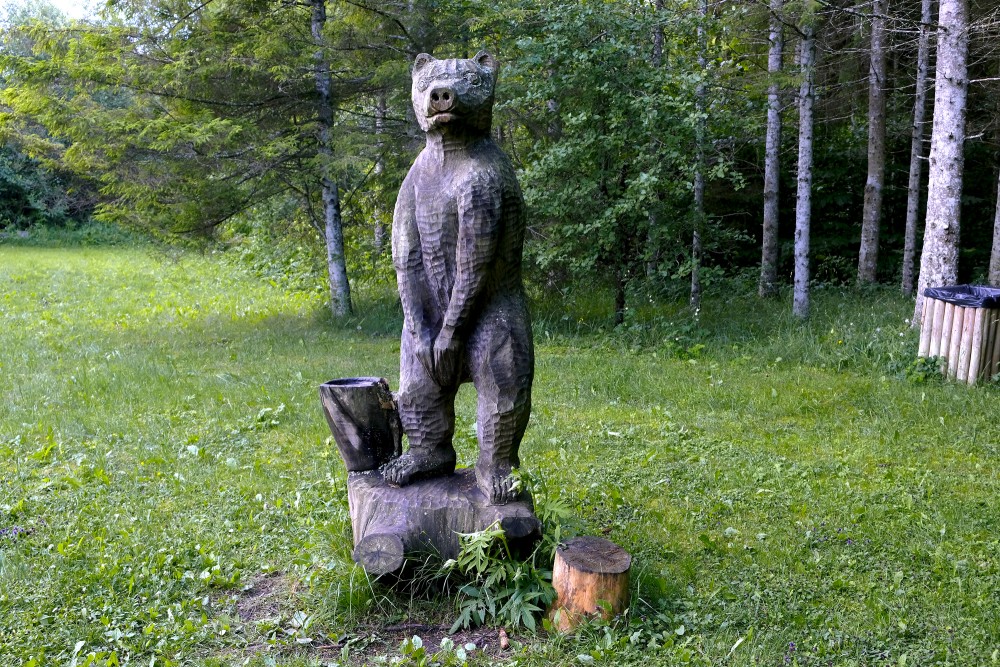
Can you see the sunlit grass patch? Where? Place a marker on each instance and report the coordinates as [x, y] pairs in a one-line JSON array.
[[168, 491]]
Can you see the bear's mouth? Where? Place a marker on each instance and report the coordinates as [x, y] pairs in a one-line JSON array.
[[443, 116]]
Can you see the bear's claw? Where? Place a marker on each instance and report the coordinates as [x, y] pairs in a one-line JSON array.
[[413, 466], [499, 488]]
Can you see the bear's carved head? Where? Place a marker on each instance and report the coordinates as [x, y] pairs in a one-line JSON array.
[[454, 93]]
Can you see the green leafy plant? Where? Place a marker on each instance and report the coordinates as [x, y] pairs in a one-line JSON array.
[[414, 654], [498, 586], [924, 369]]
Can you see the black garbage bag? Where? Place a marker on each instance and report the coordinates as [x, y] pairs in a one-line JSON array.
[[970, 296]]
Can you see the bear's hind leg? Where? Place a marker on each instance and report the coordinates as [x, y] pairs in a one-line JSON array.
[[502, 378], [430, 452], [427, 412], [499, 437]]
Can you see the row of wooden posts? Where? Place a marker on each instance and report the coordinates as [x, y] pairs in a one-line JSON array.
[[966, 339]]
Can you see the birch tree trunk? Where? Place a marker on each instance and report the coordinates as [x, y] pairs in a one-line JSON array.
[[939, 259], [658, 36], [699, 174], [381, 231], [768, 285], [994, 277], [916, 148], [652, 257], [340, 289], [868, 255], [803, 197]]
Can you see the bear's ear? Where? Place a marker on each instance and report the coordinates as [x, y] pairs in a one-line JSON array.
[[486, 61], [421, 61]]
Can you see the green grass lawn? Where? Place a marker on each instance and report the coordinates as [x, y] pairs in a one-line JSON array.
[[169, 494]]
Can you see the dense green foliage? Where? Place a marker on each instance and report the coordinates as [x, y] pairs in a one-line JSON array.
[[186, 118], [33, 196], [610, 127], [191, 115], [35, 193], [169, 494]]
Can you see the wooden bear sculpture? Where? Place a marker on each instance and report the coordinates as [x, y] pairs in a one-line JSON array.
[[457, 236]]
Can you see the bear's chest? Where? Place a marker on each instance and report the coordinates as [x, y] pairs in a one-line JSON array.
[[437, 196]]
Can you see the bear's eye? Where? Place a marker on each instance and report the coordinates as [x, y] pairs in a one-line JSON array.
[[423, 82], [472, 78]]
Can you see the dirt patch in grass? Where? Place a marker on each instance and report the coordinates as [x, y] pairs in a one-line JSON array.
[[374, 645], [268, 595], [264, 597]]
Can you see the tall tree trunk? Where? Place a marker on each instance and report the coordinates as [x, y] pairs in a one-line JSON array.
[[994, 277], [768, 286], [381, 230], [916, 148], [803, 196], [657, 36], [621, 291], [699, 174], [868, 256], [652, 253], [340, 288], [939, 259]]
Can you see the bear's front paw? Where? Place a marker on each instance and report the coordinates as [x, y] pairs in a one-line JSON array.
[[447, 360], [412, 466]]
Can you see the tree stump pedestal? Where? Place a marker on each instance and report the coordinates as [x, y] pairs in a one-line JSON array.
[[424, 517]]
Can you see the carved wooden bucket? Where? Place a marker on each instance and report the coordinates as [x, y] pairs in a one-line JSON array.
[[363, 417]]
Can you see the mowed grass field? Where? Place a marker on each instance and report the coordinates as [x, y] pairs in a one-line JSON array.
[[791, 494]]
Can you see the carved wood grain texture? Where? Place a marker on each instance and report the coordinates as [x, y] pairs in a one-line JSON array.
[[458, 235], [364, 421], [391, 523]]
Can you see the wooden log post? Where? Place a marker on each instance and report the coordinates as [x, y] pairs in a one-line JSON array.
[[983, 341], [949, 317], [989, 343], [364, 421], [925, 329], [976, 351], [957, 326], [988, 334], [988, 338], [591, 576], [995, 366], [965, 352], [391, 523], [936, 325]]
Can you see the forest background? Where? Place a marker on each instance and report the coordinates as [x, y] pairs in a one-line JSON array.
[[638, 128]]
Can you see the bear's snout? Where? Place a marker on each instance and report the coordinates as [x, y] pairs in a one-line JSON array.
[[442, 99]]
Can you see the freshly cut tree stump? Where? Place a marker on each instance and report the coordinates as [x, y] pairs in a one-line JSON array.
[[426, 516], [590, 576]]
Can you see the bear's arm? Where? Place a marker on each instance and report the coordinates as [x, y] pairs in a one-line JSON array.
[[408, 261], [479, 220]]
